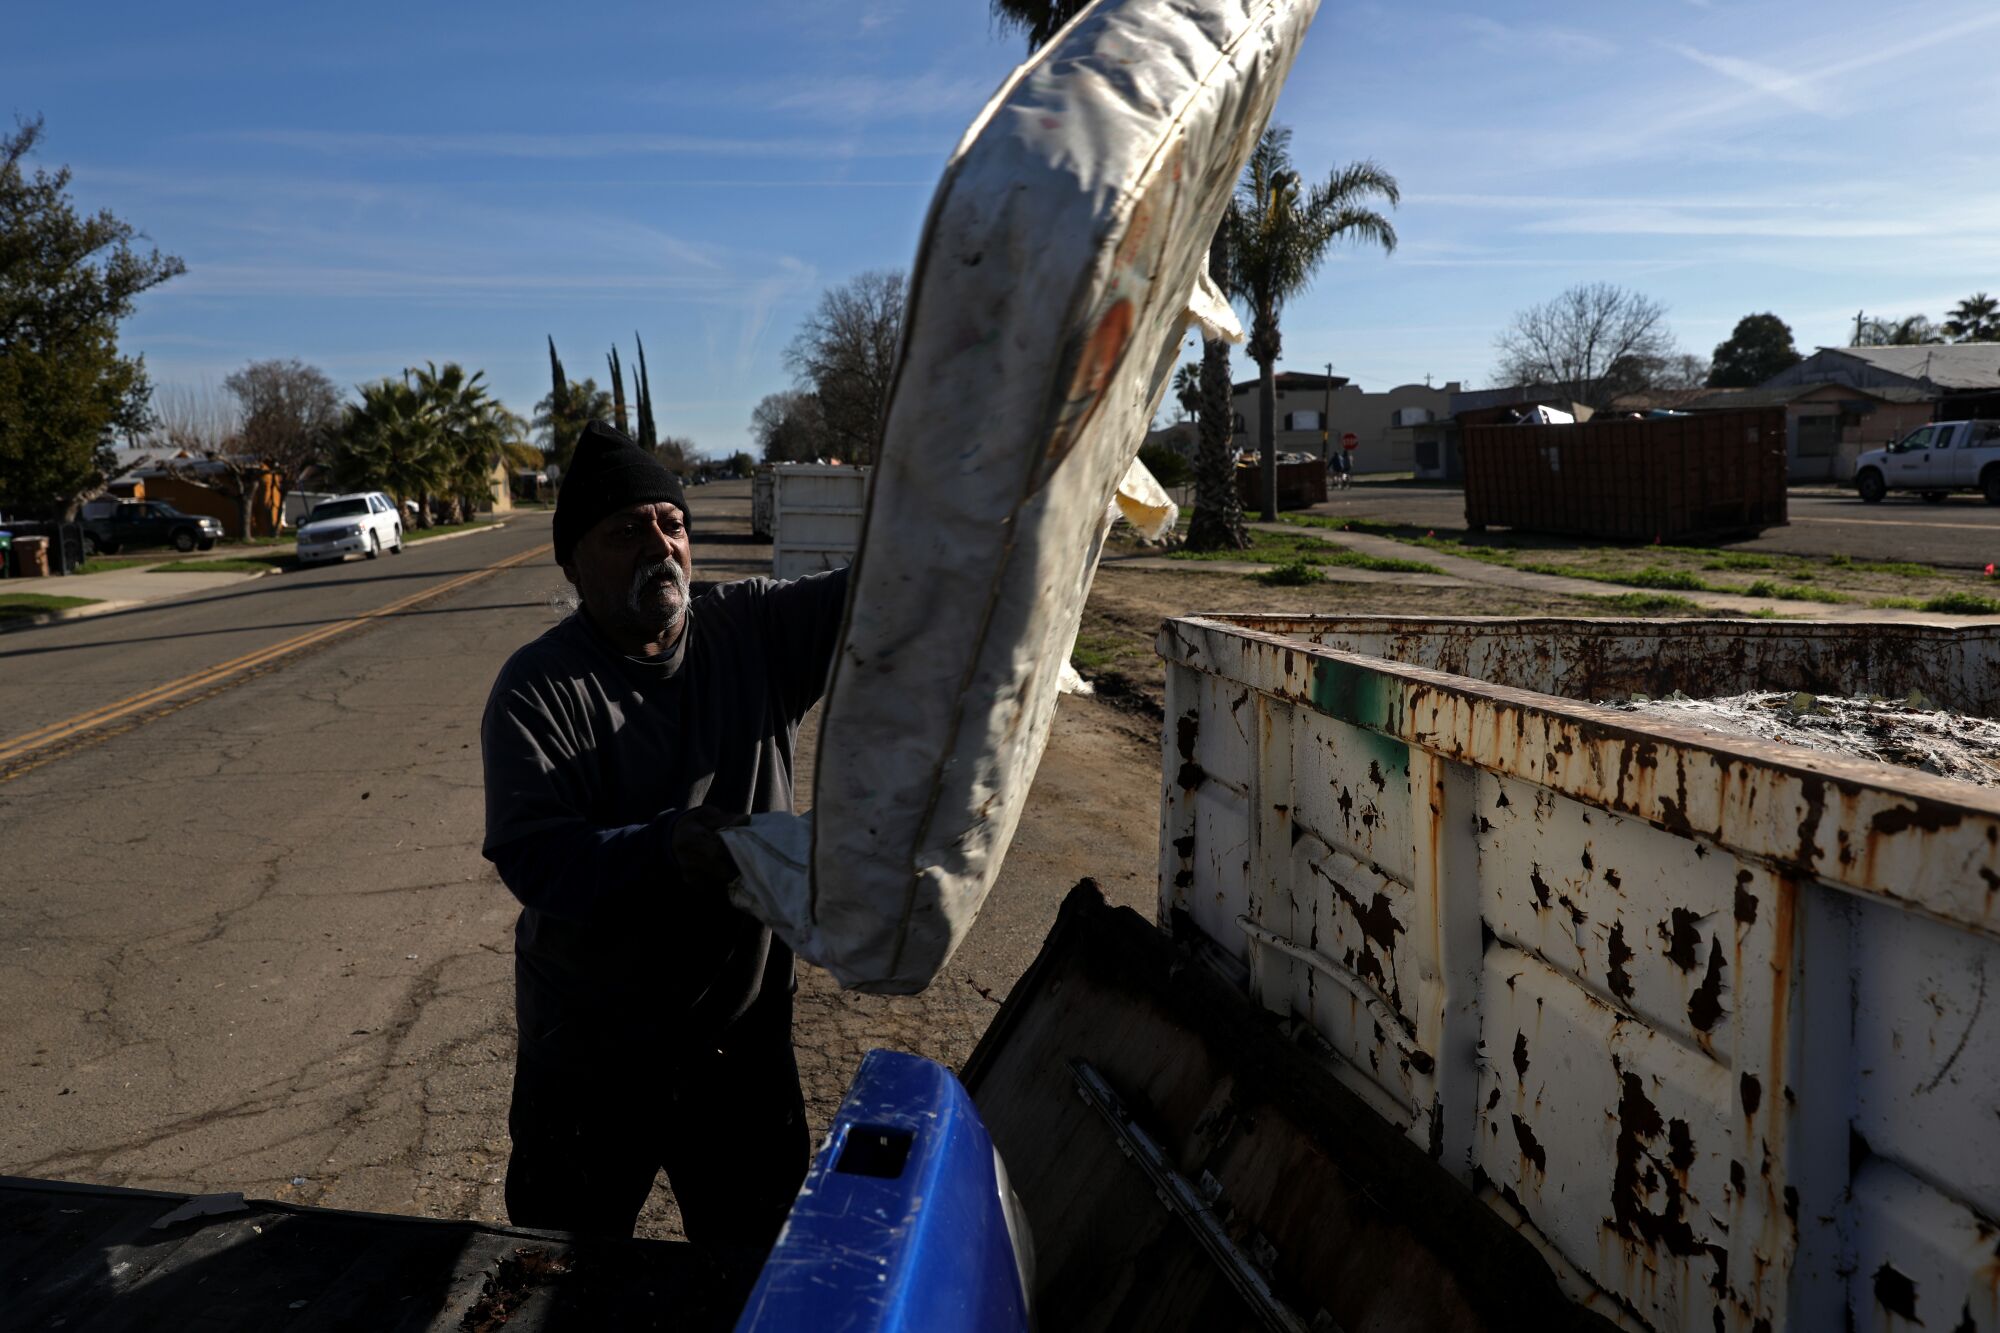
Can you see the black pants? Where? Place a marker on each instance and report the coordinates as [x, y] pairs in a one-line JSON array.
[[728, 1127]]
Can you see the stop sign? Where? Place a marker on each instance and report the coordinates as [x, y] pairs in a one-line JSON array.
[[1349, 440]]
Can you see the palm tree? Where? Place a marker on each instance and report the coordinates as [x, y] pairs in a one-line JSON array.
[[562, 423], [474, 430], [1039, 19], [1217, 522], [1187, 391], [1279, 232], [1976, 319], [391, 441]]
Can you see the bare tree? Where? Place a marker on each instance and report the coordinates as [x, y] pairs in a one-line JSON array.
[[291, 413], [789, 427], [198, 419], [845, 353], [677, 452], [1574, 341]]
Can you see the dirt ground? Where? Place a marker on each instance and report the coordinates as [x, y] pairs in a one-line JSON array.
[[1127, 606]]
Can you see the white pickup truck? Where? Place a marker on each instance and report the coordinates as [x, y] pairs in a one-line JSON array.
[[1932, 460]]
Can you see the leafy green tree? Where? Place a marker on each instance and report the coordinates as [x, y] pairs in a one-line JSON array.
[[789, 427], [561, 417], [741, 463], [65, 283], [1759, 347], [1279, 232], [1976, 319], [391, 440]]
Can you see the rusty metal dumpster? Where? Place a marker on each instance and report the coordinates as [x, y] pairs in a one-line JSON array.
[[1706, 1019], [1663, 479]]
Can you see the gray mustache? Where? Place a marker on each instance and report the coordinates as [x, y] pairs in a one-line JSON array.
[[644, 575]]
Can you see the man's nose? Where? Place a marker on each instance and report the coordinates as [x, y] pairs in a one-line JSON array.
[[658, 543]]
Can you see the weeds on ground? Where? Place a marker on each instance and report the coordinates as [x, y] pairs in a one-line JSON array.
[[1093, 651], [1291, 574], [1962, 604], [1788, 592], [1643, 603]]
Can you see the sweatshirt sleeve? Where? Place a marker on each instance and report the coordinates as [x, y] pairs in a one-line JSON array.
[[549, 854], [803, 618]]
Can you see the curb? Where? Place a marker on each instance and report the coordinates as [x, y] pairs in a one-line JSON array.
[[106, 608]]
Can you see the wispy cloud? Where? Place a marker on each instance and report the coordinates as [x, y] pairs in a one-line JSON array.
[[1537, 39], [353, 144], [871, 98], [1801, 91]]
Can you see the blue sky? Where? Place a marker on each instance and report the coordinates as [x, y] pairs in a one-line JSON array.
[[371, 186]]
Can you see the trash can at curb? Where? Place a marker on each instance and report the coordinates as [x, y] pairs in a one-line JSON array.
[[6, 555], [31, 557]]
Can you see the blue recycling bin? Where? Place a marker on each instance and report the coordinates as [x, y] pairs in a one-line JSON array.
[[905, 1223]]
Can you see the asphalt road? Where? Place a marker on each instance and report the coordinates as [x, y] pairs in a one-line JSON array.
[[1963, 532], [247, 941]]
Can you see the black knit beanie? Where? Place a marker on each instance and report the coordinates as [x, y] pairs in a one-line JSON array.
[[607, 473]]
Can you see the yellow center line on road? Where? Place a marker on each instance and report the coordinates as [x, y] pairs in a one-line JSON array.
[[209, 678]]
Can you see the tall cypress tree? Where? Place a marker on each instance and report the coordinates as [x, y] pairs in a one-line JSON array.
[[649, 434], [558, 383], [617, 387]]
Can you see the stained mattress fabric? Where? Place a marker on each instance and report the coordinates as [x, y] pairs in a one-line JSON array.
[[1063, 258]]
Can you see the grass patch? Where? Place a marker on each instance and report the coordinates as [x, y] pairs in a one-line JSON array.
[[1291, 574], [1642, 603], [26, 605], [1652, 576], [1346, 559], [1744, 560], [1791, 592], [1962, 604], [245, 565], [1093, 651], [1903, 569], [442, 529], [104, 564], [1268, 548]]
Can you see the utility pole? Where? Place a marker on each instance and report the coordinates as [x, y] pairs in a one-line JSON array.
[[1858, 315], [1326, 420]]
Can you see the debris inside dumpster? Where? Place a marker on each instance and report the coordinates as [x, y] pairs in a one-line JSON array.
[[1910, 732]]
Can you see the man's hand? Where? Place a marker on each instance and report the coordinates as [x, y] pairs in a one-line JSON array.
[[704, 861]]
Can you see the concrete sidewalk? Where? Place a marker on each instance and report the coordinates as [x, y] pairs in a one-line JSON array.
[[115, 590], [1460, 569]]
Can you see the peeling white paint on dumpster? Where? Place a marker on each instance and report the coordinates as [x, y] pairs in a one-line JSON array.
[[1708, 1017]]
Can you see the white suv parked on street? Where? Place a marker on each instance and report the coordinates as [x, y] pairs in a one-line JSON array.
[[1931, 460], [362, 524]]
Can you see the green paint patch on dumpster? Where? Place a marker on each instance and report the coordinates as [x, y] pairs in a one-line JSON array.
[[1353, 694]]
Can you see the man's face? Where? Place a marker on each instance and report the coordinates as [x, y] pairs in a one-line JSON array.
[[632, 571]]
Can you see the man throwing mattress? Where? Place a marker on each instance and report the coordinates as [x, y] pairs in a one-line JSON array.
[[655, 1020]]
